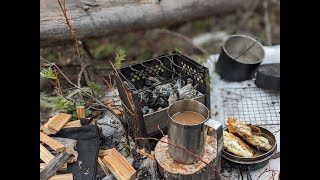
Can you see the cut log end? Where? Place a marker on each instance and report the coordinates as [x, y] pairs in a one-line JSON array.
[[171, 169]]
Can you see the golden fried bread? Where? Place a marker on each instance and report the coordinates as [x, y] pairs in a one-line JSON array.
[[249, 133], [236, 146]]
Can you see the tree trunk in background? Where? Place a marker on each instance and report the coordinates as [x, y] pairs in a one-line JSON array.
[[104, 17]]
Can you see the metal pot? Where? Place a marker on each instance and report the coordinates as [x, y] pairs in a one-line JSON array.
[[239, 58]]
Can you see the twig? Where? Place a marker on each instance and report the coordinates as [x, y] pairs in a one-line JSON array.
[[266, 170], [179, 147], [70, 82], [62, 5]]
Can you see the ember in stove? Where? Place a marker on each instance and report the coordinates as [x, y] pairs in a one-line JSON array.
[[164, 95]]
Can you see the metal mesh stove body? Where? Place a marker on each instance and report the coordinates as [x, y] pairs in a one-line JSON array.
[[169, 67]]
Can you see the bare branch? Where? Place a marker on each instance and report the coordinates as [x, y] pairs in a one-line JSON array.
[[74, 85]]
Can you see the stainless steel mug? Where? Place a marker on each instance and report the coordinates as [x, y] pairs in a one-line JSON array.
[[192, 137]]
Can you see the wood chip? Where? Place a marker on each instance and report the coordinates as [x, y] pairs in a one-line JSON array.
[[118, 165], [45, 154], [144, 153], [81, 112], [55, 145], [72, 124], [61, 177]]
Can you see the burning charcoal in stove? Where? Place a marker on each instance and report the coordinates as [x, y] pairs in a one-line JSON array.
[[147, 110], [173, 97], [159, 102], [163, 90], [177, 84], [184, 91], [188, 92], [145, 96]]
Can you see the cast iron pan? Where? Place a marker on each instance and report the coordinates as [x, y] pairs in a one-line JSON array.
[[268, 77], [257, 162]]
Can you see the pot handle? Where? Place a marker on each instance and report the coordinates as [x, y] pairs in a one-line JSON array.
[[215, 130]]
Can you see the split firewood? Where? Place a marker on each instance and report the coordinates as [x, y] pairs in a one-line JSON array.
[[81, 112], [61, 177], [45, 154], [55, 145], [118, 165], [103, 166], [55, 123], [54, 165], [70, 145], [59, 121], [62, 168], [72, 124], [45, 128]]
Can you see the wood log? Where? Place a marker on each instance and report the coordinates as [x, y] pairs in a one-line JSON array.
[[45, 154], [172, 170], [72, 124], [81, 112], [70, 145], [103, 166], [118, 165], [59, 121], [62, 177], [105, 17], [61, 168], [55, 145], [54, 165]]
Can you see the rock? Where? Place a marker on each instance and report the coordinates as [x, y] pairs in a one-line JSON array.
[[109, 177], [148, 170]]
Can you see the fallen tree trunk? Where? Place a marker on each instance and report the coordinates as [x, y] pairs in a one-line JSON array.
[[101, 17]]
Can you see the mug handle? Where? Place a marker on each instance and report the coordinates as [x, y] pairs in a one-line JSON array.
[[215, 129]]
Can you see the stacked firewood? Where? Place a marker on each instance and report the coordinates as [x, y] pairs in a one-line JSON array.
[[56, 152]]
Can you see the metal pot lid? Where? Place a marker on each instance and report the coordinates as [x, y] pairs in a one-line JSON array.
[[268, 77]]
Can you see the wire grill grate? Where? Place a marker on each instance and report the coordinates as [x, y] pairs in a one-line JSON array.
[[251, 105]]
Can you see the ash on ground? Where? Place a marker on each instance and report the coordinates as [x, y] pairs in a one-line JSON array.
[[113, 135]]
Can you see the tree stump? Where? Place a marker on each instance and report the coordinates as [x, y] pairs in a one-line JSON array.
[[172, 170]]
